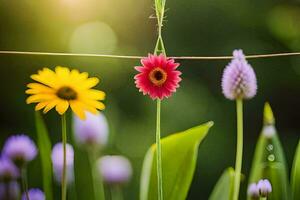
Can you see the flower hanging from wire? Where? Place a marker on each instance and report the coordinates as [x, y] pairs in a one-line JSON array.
[[63, 88], [158, 76], [239, 80]]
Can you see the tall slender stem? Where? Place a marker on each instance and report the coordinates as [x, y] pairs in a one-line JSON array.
[[116, 192], [159, 48], [97, 179], [239, 148], [64, 174], [158, 154], [24, 182]]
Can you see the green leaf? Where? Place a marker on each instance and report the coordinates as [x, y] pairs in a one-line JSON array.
[[179, 158], [269, 160], [44, 145], [83, 184], [223, 190], [295, 175]]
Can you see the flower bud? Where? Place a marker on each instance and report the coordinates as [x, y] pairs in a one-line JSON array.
[[264, 187], [114, 169], [58, 161], [239, 80], [253, 191], [8, 171], [93, 131], [34, 194], [20, 149]]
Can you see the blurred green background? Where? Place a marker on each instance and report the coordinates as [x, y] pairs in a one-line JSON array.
[[192, 27]]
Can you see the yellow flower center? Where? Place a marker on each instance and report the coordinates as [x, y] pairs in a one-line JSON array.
[[66, 93], [158, 76]]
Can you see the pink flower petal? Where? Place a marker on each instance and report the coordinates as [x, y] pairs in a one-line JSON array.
[[154, 89]]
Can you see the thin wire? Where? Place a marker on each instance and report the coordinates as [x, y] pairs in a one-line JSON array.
[[139, 57], [69, 54]]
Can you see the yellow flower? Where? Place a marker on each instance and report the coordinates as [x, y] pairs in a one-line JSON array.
[[63, 88]]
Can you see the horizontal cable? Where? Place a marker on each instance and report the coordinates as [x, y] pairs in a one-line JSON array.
[[139, 57], [69, 54]]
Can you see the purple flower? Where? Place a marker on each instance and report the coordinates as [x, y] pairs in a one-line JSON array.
[[264, 187], [58, 161], [239, 80], [253, 191], [34, 194], [114, 169], [20, 149], [8, 170], [92, 131], [9, 191]]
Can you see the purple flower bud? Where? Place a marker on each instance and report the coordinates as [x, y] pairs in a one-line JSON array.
[[34, 194], [264, 187], [92, 131], [253, 191], [58, 162], [8, 171], [9, 191], [239, 80], [114, 169], [20, 149]]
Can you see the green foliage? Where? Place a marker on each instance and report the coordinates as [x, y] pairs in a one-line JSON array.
[[83, 176], [295, 175], [269, 160], [44, 145], [179, 156], [283, 23], [223, 190]]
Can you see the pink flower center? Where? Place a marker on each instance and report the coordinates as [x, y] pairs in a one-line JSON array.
[[158, 76]]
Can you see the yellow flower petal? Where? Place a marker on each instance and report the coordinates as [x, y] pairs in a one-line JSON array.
[[37, 91], [76, 76], [94, 94], [40, 105], [97, 104], [52, 87], [40, 87], [62, 72], [50, 105], [62, 107], [77, 109], [39, 97], [45, 76], [89, 83], [90, 108]]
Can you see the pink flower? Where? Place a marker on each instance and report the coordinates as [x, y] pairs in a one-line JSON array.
[[158, 76]]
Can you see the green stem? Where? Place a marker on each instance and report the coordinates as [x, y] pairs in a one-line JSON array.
[[263, 198], [158, 154], [159, 48], [64, 174], [239, 148], [116, 192], [97, 179], [24, 182]]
